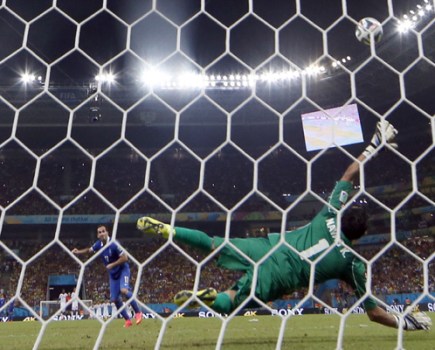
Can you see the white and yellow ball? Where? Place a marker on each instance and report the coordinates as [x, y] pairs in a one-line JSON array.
[[369, 28]]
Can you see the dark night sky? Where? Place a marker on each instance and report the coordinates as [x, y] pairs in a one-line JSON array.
[[203, 41], [68, 44]]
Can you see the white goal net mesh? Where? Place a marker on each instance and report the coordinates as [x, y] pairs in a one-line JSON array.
[[233, 117], [72, 311]]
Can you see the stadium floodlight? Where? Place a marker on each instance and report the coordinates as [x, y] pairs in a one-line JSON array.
[[108, 78], [269, 77], [27, 78], [284, 75], [414, 16], [153, 77], [314, 70], [234, 80], [405, 25], [252, 79], [190, 80], [295, 74]]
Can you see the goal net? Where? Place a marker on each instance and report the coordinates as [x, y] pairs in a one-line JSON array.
[[50, 308], [232, 117]]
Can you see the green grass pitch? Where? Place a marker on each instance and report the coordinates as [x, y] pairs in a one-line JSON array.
[[256, 332]]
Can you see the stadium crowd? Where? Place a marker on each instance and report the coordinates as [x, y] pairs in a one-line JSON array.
[[228, 178], [394, 271]]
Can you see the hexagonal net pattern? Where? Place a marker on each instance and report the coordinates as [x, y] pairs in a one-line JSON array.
[[233, 118]]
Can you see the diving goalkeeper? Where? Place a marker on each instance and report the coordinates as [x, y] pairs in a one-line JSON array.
[[286, 270]]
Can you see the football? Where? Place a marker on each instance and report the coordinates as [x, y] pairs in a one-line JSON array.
[[367, 29]]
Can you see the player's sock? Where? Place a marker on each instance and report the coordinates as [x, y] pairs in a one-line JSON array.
[[222, 303], [133, 303], [135, 306], [124, 312], [194, 238]]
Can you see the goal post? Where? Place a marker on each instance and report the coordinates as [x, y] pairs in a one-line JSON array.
[[47, 308]]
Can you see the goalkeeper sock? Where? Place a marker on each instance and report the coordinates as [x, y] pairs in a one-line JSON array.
[[222, 303], [133, 303], [124, 313], [195, 238]]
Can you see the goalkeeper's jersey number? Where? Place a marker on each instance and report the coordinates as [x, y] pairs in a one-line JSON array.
[[315, 249]]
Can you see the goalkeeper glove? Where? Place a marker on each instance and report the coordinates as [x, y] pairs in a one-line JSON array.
[[415, 321], [390, 133]]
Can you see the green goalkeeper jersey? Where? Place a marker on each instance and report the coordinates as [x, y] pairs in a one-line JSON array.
[[285, 270], [314, 239]]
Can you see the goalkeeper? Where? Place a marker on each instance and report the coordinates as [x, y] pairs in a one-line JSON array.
[[285, 270]]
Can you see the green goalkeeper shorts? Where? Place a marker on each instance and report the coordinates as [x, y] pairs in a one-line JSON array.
[[268, 285]]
